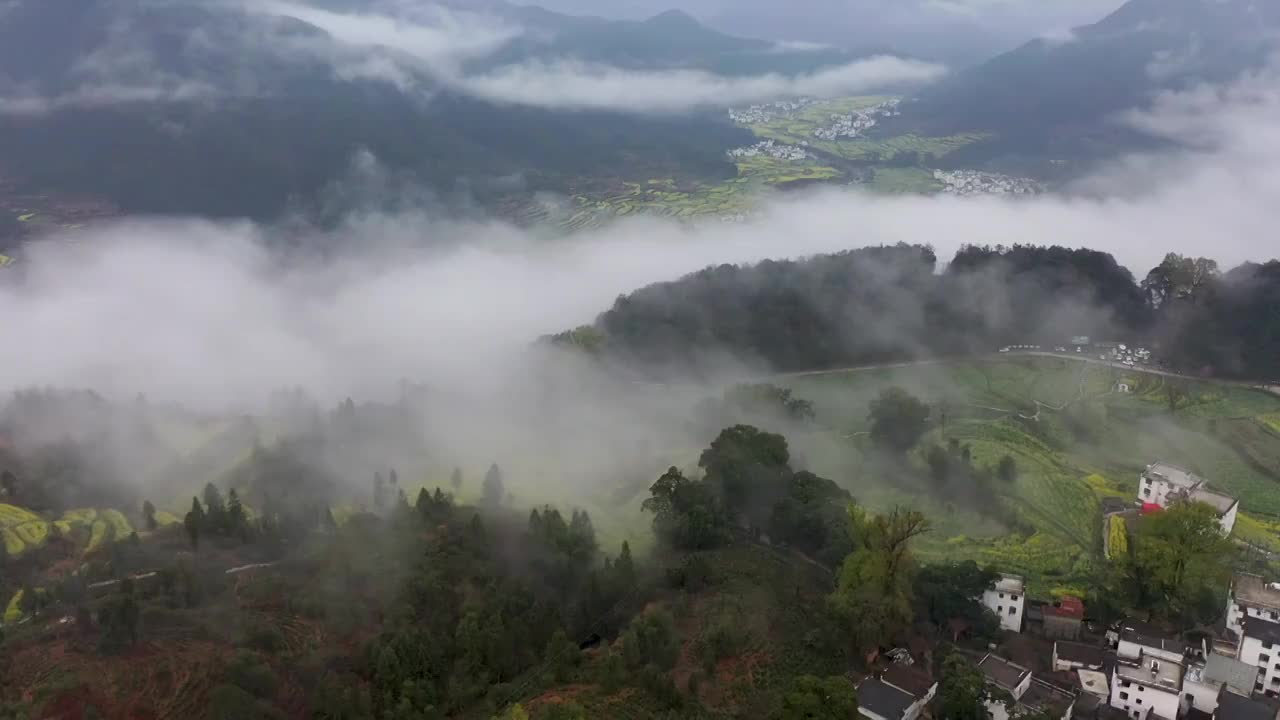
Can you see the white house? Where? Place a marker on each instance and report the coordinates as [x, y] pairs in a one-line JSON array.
[[900, 693], [1250, 596], [1010, 677], [1137, 640], [1260, 648], [1146, 685], [1204, 682], [1007, 600], [1162, 484]]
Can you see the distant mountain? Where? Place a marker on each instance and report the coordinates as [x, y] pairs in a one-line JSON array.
[[1059, 94], [199, 106]]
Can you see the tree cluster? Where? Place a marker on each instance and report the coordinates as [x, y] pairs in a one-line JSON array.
[[748, 485], [886, 304]]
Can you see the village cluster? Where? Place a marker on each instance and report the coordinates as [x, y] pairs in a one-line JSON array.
[[856, 123], [974, 182], [1113, 352], [768, 148], [766, 112], [1129, 671]]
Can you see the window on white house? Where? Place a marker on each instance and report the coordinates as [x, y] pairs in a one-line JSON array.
[[1124, 696], [1273, 615], [1147, 492], [1013, 597], [1264, 659], [1013, 611], [1140, 688], [1139, 701], [999, 609]]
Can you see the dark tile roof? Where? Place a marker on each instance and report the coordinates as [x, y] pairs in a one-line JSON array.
[[1002, 672], [914, 681], [1237, 707], [1045, 697], [883, 699], [1087, 655], [1261, 629]]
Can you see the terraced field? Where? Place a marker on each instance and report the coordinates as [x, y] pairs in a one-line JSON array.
[[24, 531], [1019, 407]]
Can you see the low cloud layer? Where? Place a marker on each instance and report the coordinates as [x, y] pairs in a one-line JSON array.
[[578, 86], [205, 312], [418, 49]]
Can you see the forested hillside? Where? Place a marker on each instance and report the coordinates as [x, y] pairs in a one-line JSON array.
[[887, 304]]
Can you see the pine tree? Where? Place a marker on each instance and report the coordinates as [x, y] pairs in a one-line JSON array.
[[149, 514], [423, 504], [456, 479], [215, 515], [493, 487], [194, 520], [379, 491], [236, 521], [625, 569]]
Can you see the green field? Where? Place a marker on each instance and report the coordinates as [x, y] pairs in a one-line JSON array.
[[904, 180]]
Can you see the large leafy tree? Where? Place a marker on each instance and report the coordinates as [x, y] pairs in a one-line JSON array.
[[814, 698], [686, 515], [1180, 562], [898, 420], [947, 591], [874, 586], [962, 692], [747, 467]]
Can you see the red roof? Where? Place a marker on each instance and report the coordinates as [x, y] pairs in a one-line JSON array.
[[1070, 607], [1150, 508]]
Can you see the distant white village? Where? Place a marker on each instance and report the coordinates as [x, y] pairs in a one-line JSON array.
[[769, 148], [766, 112], [974, 182], [856, 123]]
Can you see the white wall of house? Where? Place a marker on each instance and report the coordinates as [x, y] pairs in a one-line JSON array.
[[1203, 696], [914, 711], [1266, 657], [1138, 700], [1228, 520], [1236, 611], [997, 710], [1007, 606], [1155, 491]]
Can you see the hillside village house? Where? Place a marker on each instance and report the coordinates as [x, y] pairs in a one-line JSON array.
[[1162, 484], [1251, 597], [1068, 656], [1204, 683], [1062, 620], [1147, 685], [1007, 599], [1030, 694], [900, 693], [1236, 707]]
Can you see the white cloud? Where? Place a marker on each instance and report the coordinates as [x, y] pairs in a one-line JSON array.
[[201, 311], [103, 95], [581, 86], [439, 37], [1059, 36]]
